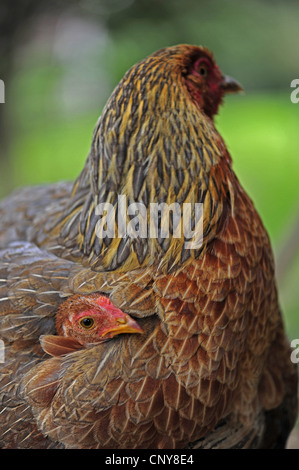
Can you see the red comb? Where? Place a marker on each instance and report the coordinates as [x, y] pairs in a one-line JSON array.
[[104, 299]]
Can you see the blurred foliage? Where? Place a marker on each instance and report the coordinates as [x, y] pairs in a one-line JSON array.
[[60, 61]]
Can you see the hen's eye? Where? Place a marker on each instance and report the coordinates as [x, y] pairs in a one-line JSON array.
[[203, 70], [87, 323]]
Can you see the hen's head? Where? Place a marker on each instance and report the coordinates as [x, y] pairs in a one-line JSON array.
[[92, 318], [205, 82], [158, 83]]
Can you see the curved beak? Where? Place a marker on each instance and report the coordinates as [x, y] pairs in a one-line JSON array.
[[123, 324], [230, 85]]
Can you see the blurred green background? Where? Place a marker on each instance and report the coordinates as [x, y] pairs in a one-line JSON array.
[[61, 60]]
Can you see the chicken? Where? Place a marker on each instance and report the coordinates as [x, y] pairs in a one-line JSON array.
[[83, 320], [212, 367]]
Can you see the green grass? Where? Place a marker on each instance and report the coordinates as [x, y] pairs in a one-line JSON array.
[[54, 151], [260, 130], [261, 133]]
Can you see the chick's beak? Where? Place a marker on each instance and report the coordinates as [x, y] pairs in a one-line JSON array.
[[230, 85], [123, 324]]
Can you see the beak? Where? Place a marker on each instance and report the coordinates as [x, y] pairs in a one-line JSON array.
[[124, 324], [230, 85]]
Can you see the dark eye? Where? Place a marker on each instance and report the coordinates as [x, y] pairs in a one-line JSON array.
[[87, 323], [203, 70]]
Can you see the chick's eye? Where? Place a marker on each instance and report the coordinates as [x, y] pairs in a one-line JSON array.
[[87, 323], [203, 70]]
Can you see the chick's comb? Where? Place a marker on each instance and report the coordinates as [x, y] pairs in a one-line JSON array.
[[102, 299]]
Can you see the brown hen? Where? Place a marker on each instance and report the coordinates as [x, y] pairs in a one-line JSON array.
[[212, 368]]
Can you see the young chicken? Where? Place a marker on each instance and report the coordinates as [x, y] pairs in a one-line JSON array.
[[85, 319]]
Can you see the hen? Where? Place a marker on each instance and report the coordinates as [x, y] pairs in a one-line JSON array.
[[84, 320], [213, 364]]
